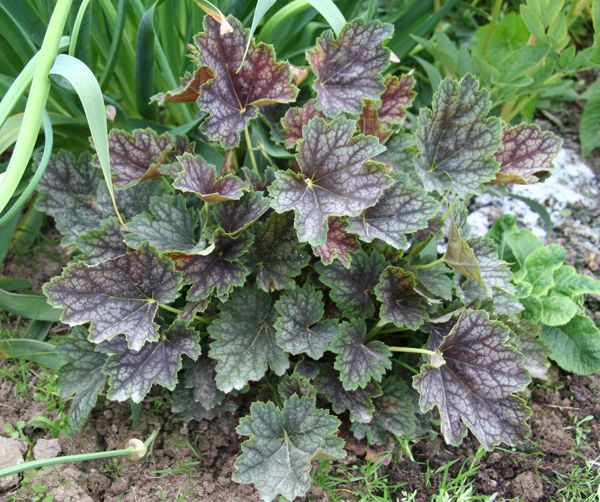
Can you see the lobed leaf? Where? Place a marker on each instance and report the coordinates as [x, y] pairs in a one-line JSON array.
[[117, 297], [244, 344], [240, 85], [357, 361], [200, 178], [348, 69], [339, 244], [102, 243], [188, 89], [294, 121], [333, 178], [351, 288], [283, 441], [456, 139], [132, 373], [237, 215], [300, 327], [473, 379]]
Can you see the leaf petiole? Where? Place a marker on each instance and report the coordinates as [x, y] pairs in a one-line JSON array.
[[413, 350], [174, 310], [432, 264], [250, 150]]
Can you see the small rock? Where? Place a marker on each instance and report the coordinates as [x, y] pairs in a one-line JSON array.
[[114, 428], [528, 487], [119, 486], [46, 448], [11, 453]]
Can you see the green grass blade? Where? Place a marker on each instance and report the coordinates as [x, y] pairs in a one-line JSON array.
[[331, 13], [115, 44], [77, 26], [42, 353], [262, 6], [144, 64], [38, 330], [40, 87], [13, 283], [8, 230], [30, 306], [86, 86], [48, 143]]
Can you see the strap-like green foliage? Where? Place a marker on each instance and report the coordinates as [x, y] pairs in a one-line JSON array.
[[301, 268]]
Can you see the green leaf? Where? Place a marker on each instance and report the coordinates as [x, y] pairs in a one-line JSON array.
[[232, 98], [473, 380], [118, 296], [403, 209], [283, 442], [244, 344], [276, 254], [568, 282], [300, 327], [199, 377], [29, 306], [557, 309], [348, 69], [402, 304], [37, 351], [81, 377], [351, 289], [358, 362], [237, 215], [437, 280], [132, 373], [169, 225], [528, 343], [540, 266], [218, 272], [333, 180], [575, 346], [200, 178], [456, 141], [461, 257]]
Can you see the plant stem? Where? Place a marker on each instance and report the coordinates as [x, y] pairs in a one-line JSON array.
[[136, 414], [250, 150], [36, 464], [432, 264], [174, 310], [267, 156], [412, 350], [490, 34], [36, 104]]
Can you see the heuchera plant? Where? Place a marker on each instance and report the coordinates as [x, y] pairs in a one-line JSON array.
[[315, 278]]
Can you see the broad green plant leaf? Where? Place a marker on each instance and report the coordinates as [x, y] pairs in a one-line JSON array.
[[199, 377], [461, 257], [131, 374], [473, 380], [282, 443], [351, 289], [333, 179], [200, 178], [575, 346], [118, 296], [236, 215], [540, 266], [102, 243], [243, 340], [300, 327], [348, 69], [456, 139], [232, 98], [569, 283], [358, 361]]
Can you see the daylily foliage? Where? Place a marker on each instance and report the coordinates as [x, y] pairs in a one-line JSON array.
[[288, 278]]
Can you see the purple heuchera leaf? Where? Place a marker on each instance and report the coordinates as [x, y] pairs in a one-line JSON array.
[[378, 119], [136, 156], [232, 97], [333, 178], [526, 152], [118, 296], [403, 209], [402, 304], [349, 69], [218, 272], [295, 119], [339, 245], [357, 361], [473, 380], [237, 215], [132, 374], [456, 139], [188, 89], [200, 178], [102, 243]]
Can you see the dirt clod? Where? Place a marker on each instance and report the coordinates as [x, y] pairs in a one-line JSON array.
[[528, 487], [46, 448], [11, 453]]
